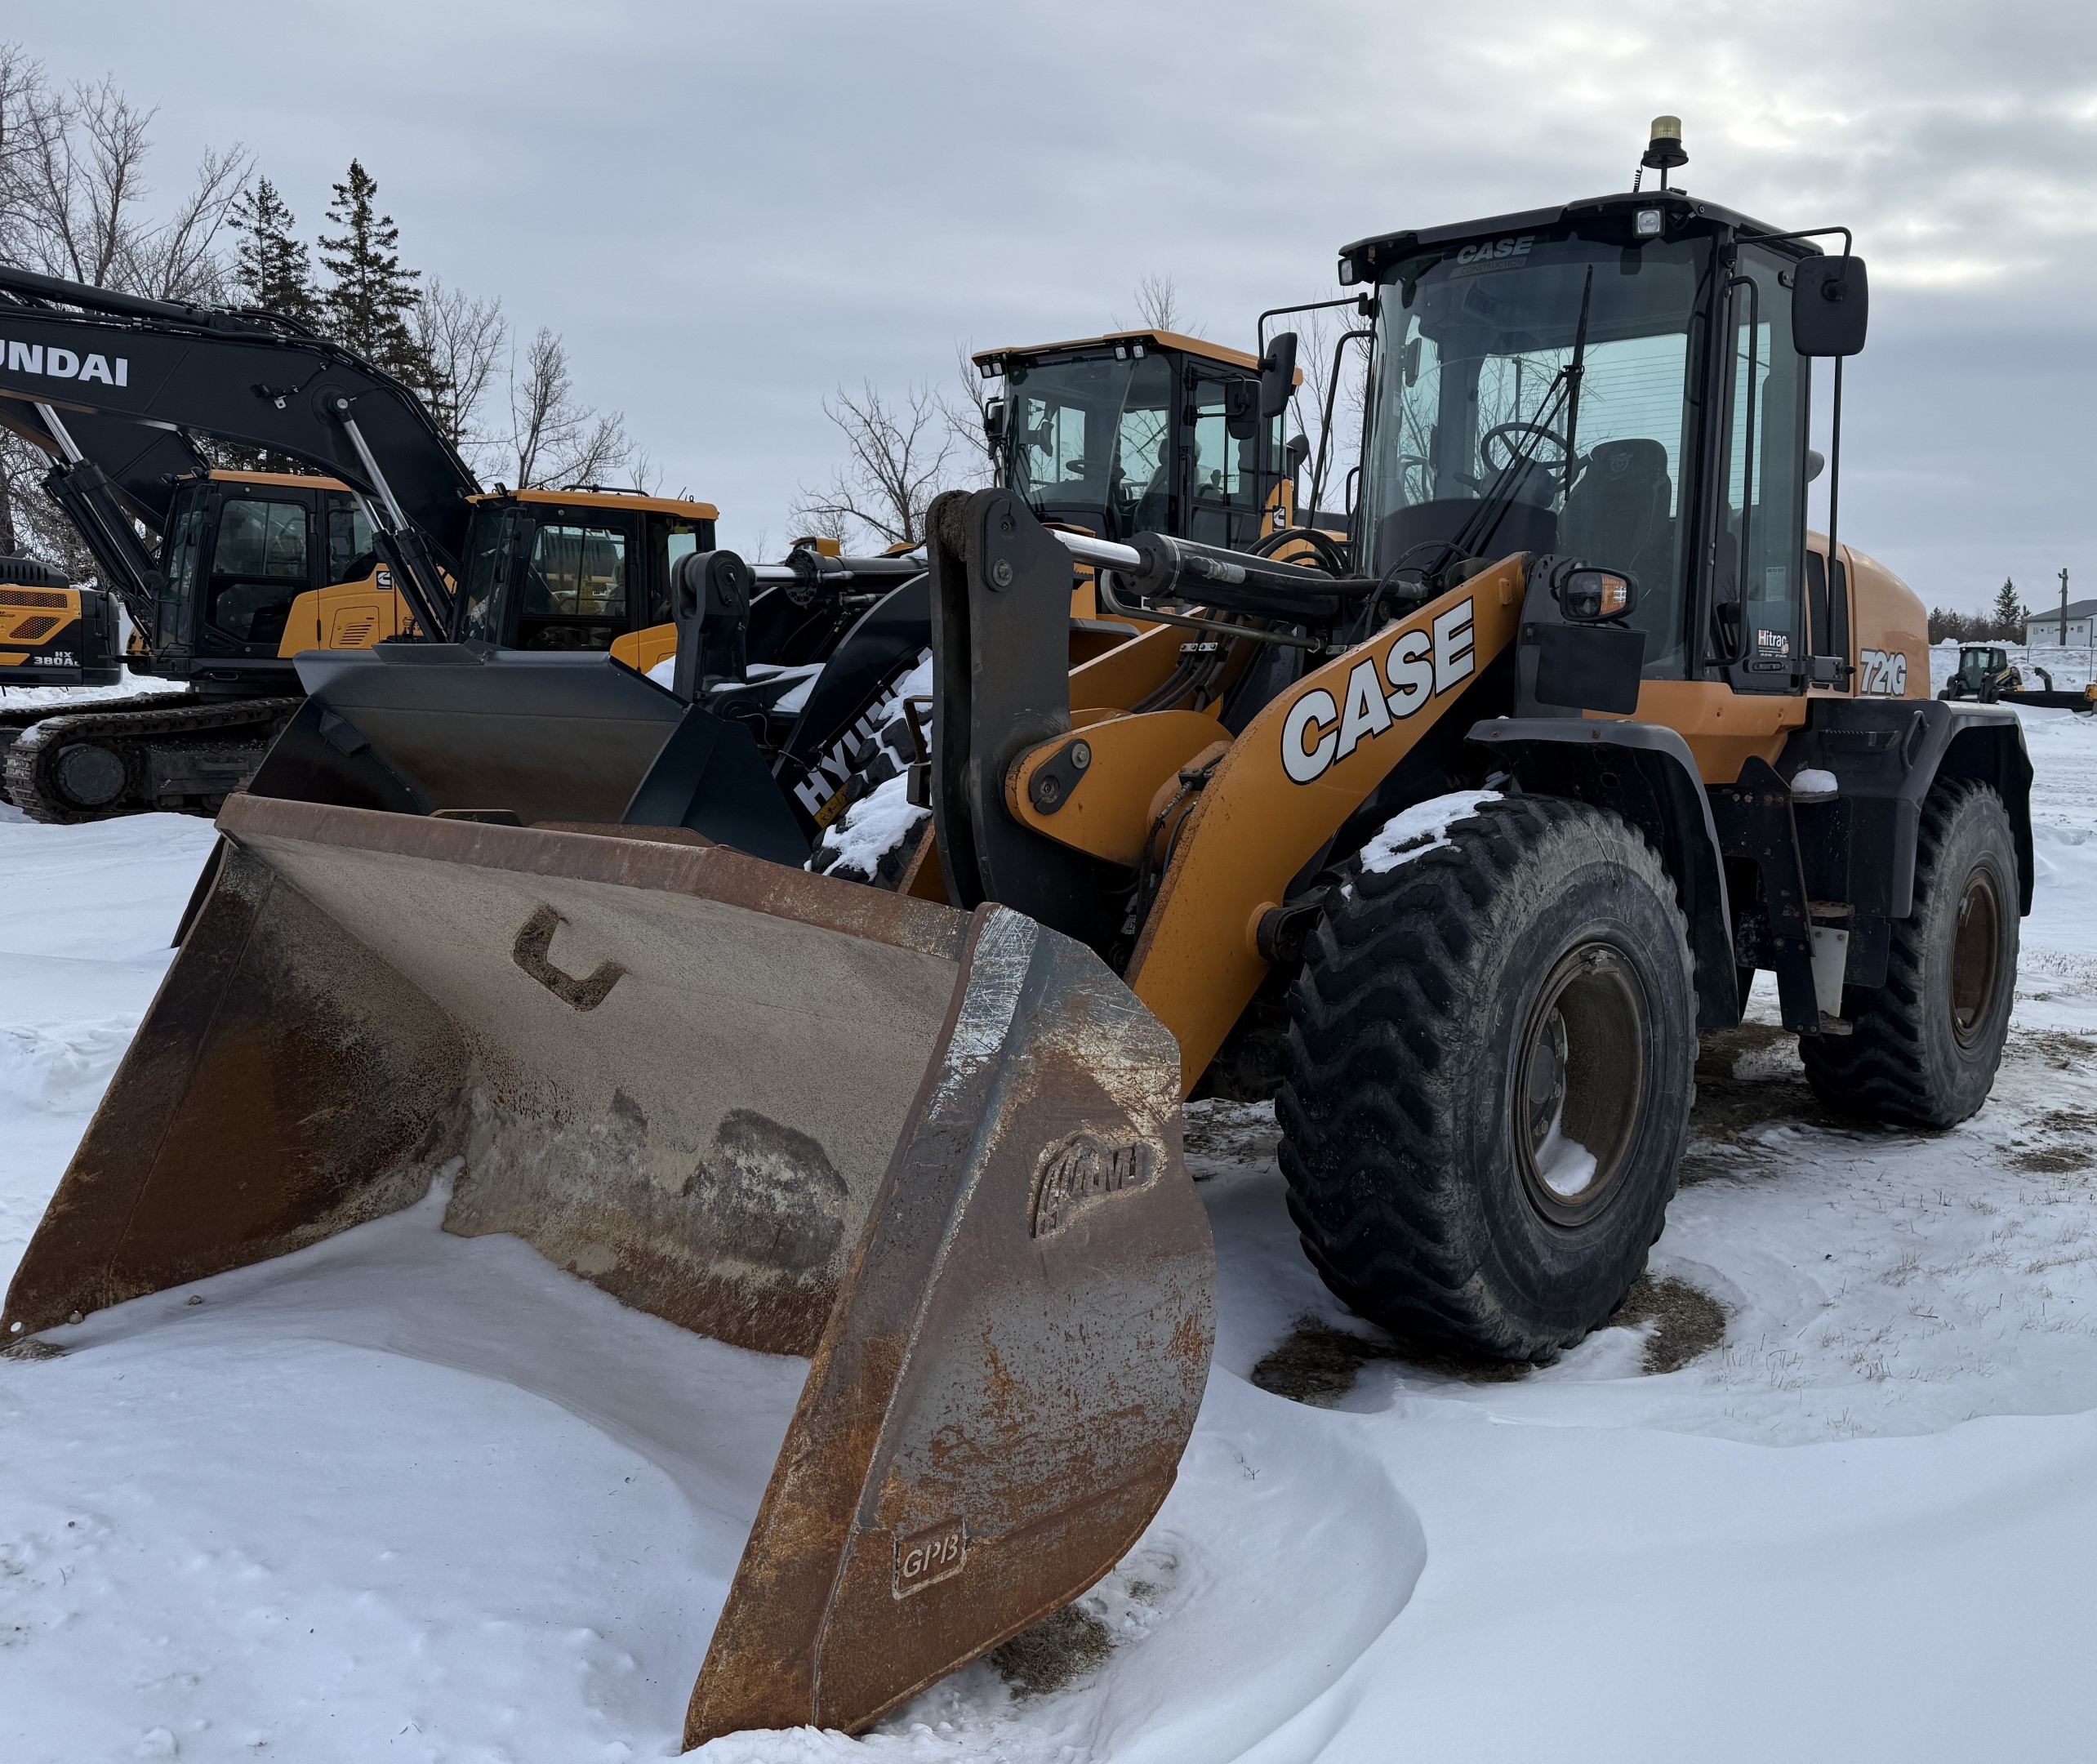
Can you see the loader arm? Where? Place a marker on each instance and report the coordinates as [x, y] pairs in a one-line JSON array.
[[1245, 817], [1051, 808], [247, 379]]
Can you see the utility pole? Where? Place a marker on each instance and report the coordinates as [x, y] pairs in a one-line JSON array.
[[2063, 609]]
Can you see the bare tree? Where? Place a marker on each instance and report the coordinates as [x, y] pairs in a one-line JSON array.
[[967, 418], [901, 457], [463, 340], [83, 186], [554, 438], [1159, 307], [74, 202]]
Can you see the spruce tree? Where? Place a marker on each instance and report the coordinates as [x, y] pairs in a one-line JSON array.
[[2010, 613], [271, 266], [370, 296]]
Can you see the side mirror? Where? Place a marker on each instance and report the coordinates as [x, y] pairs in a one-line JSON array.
[[994, 422], [1816, 463], [1278, 375], [1831, 305], [1298, 454], [1594, 596], [1241, 408]]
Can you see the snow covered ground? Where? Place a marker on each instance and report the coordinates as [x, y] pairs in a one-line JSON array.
[[1833, 1495]]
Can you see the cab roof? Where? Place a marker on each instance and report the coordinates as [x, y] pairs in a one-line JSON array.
[[291, 480], [1378, 249], [608, 499], [567, 498], [1171, 340]]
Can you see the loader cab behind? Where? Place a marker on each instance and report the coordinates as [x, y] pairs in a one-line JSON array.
[[574, 569], [1130, 432]]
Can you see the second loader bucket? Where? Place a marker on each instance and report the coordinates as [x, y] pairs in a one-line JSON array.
[[937, 1152]]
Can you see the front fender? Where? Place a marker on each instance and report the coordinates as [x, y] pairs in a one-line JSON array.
[[1644, 772]]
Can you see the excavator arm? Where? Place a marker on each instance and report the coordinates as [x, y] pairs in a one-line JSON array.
[[70, 352]]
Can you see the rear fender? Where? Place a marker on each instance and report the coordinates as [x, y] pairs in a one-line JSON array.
[[1885, 755]]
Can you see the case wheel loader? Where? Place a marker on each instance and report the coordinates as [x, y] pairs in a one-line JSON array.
[[1463, 839]]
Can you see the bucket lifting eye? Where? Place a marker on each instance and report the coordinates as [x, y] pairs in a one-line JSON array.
[[530, 953]]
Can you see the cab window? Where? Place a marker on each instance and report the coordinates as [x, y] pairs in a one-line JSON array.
[[573, 591], [1227, 494], [259, 565], [1761, 546], [349, 552], [684, 541]]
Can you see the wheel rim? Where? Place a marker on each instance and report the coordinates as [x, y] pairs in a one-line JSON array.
[[1976, 957], [1580, 1083]]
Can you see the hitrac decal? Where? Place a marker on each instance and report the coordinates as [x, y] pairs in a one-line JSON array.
[[56, 363], [1319, 733]]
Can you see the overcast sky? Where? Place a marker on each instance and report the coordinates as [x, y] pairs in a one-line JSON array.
[[729, 211]]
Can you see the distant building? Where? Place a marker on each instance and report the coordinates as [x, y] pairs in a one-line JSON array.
[[2044, 626]]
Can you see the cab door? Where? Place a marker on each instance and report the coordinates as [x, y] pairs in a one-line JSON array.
[[260, 552], [1755, 546]]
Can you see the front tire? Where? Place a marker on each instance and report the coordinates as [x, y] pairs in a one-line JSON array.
[[1488, 1079], [1924, 1048]]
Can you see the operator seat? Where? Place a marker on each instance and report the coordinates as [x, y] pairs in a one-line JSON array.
[[1616, 514]]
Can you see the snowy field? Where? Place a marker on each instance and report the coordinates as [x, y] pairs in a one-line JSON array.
[[1830, 1493]]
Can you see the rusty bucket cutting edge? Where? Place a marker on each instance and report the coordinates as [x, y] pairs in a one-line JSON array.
[[939, 1153]]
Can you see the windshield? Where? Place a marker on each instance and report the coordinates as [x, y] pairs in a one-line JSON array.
[[1088, 441], [1475, 339]]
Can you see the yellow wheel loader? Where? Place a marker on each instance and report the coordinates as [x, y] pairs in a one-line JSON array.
[[1464, 840]]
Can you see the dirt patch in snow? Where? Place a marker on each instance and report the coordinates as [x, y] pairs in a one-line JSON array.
[[1063, 1647], [2053, 1161], [1221, 1132], [1318, 1364], [1686, 1322], [1748, 1079]]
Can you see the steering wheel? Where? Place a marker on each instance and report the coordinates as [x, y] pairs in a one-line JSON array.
[[1502, 432]]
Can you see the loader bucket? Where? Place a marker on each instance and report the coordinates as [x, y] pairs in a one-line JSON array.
[[418, 728], [938, 1153]]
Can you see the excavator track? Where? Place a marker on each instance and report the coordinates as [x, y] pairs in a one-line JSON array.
[[177, 751]]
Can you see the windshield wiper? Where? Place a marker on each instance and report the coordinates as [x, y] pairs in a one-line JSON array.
[[1476, 532], [1575, 369]]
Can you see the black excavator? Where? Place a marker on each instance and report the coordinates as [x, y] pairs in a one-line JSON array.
[[227, 572]]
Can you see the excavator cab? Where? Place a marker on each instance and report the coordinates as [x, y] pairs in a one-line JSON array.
[[577, 569], [256, 566]]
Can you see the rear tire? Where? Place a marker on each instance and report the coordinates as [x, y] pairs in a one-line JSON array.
[[1925, 1047], [1488, 1079]]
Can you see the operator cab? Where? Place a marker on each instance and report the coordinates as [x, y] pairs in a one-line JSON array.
[[1614, 380], [574, 569], [1130, 432], [241, 548]]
